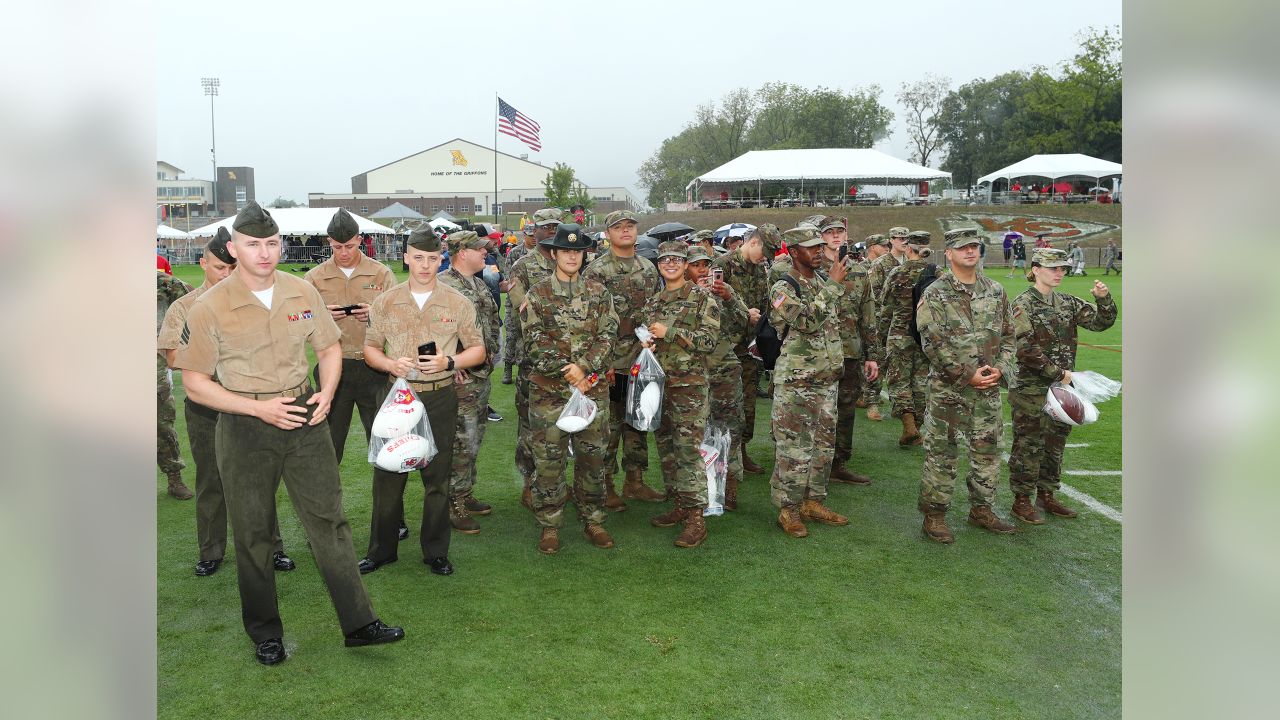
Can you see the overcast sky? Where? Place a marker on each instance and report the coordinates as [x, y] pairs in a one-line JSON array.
[[312, 95]]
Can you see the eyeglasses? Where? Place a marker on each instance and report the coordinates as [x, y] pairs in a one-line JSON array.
[[671, 260]]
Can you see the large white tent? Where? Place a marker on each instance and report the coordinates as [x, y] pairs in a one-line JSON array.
[[165, 232], [851, 164], [300, 221], [1055, 167]]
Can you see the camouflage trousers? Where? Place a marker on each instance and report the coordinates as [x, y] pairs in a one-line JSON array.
[[684, 420], [524, 453], [550, 447], [473, 418], [952, 413], [851, 385], [635, 444], [168, 454], [751, 369], [361, 388], [1038, 444], [804, 428], [907, 375], [512, 339], [871, 390], [726, 407]]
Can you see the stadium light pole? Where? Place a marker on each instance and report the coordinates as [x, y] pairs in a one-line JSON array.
[[210, 86]]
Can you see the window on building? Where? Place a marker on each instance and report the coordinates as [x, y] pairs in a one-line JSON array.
[[364, 209], [479, 208], [435, 208], [417, 208], [448, 208], [242, 194]]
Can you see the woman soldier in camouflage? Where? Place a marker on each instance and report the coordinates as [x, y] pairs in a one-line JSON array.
[[685, 321]]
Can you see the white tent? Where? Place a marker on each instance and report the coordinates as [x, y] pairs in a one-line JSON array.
[[845, 164], [167, 233], [300, 221], [1055, 167]]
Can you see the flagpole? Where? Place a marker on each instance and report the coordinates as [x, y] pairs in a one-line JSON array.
[[494, 205]]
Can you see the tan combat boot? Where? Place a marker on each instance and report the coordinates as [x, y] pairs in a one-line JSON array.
[[1025, 511], [695, 529], [790, 522], [1045, 499], [842, 474], [611, 499], [935, 524], [910, 433], [668, 519], [814, 510], [861, 402], [598, 536], [549, 543], [460, 519], [749, 465], [635, 489], [731, 493], [177, 489], [873, 413], [526, 497], [982, 516]]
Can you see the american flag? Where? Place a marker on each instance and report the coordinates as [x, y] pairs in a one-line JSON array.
[[519, 126]]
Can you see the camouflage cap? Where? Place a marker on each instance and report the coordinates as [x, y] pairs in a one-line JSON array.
[[803, 236], [700, 235], [1050, 257], [814, 220], [548, 216], [342, 227], [466, 240], [217, 247], [898, 232], [618, 216], [770, 237], [830, 222], [570, 236], [424, 238], [962, 237], [958, 232], [696, 253], [919, 237], [673, 248], [254, 221], [528, 228], [876, 239]]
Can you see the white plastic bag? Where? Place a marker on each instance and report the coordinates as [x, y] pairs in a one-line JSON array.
[[1068, 406], [715, 455], [401, 439], [1094, 387], [577, 414], [644, 392]]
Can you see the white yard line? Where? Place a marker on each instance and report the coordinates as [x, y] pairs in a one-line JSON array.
[[1077, 445], [1089, 473], [1092, 503]]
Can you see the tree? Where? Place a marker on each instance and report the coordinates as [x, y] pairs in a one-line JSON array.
[[564, 190], [280, 202], [922, 100]]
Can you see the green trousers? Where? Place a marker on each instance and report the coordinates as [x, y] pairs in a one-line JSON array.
[[360, 388]]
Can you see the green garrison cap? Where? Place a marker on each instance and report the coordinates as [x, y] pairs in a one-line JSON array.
[[342, 227], [770, 237], [618, 216], [696, 253], [570, 236], [1050, 257], [217, 247], [466, 240], [424, 238], [919, 237], [673, 248], [548, 216], [254, 221], [803, 236]]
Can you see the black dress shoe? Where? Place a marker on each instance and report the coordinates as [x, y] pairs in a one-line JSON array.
[[271, 652], [282, 562], [403, 533], [367, 566], [375, 633], [205, 568], [440, 565]]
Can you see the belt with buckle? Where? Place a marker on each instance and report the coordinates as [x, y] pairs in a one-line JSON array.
[[293, 392], [430, 385]]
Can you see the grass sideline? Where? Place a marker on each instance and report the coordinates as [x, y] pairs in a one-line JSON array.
[[865, 621]]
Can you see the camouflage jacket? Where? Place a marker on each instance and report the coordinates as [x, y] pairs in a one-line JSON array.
[[1045, 333], [878, 273], [895, 302], [692, 317], [475, 290], [858, 317], [962, 329], [780, 266], [515, 253], [168, 290], [810, 320], [568, 322], [631, 281], [735, 328], [532, 269], [749, 281]]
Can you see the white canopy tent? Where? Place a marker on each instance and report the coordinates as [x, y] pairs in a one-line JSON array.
[[164, 232], [861, 165], [1055, 167], [300, 221]]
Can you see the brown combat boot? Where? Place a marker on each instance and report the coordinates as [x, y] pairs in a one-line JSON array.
[[814, 510], [790, 522], [695, 529], [549, 543], [935, 525], [635, 489], [910, 433], [1045, 499], [748, 464], [474, 506], [1025, 511], [611, 500], [177, 489], [460, 519], [526, 497], [842, 474], [873, 413], [860, 402], [598, 536], [982, 516], [668, 519], [731, 493]]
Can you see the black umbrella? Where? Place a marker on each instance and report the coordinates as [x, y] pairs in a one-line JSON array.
[[668, 231], [647, 247]]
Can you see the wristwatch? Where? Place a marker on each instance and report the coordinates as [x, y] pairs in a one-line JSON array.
[[450, 363]]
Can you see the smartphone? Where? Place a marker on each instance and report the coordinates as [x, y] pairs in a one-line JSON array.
[[717, 274], [348, 309], [427, 348]]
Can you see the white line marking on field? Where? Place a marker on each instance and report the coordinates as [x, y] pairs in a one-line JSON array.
[[1092, 503], [1077, 445], [1108, 473]]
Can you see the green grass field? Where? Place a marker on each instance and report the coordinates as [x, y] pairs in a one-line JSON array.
[[865, 621]]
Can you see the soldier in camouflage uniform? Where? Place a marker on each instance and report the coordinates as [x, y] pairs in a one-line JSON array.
[[569, 325], [878, 272], [908, 370], [466, 259], [966, 329], [1044, 325], [877, 247], [511, 318], [737, 322], [746, 272], [806, 382], [532, 269], [168, 454], [631, 281], [685, 321]]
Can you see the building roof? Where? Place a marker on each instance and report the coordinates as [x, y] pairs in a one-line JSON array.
[[398, 210], [819, 164], [455, 140]]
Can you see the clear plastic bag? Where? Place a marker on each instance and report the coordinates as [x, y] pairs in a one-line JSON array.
[[577, 414], [1067, 405], [715, 455], [644, 392], [401, 438], [1094, 387]]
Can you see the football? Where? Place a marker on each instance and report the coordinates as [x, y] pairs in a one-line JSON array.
[[1065, 405], [405, 453], [395, 420]]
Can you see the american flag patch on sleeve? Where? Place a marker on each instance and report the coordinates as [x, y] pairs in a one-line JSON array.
[[777, 302]]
